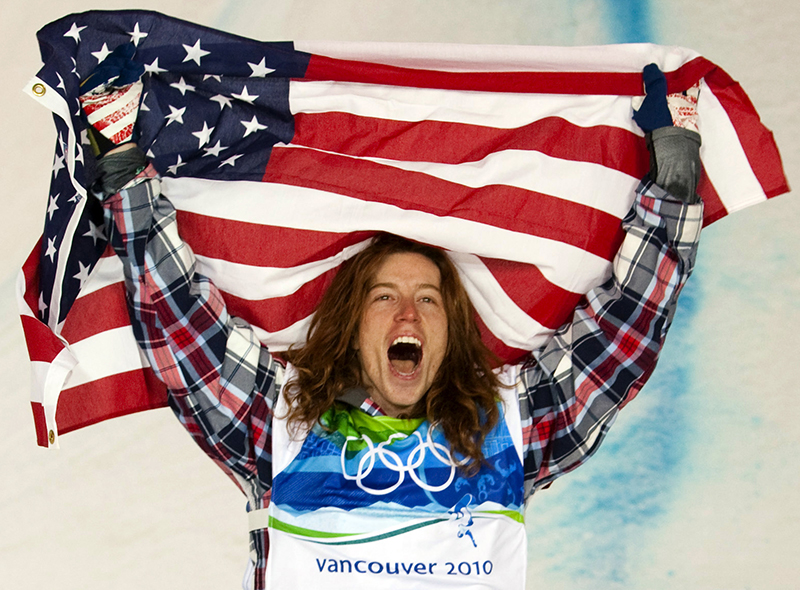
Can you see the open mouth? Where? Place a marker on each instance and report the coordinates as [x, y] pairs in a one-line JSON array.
[[405, 353]]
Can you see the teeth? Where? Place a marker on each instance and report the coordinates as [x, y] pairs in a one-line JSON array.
[[407, 340]]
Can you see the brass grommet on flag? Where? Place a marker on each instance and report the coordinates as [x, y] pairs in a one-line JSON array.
[[39, 90], [52, 437]]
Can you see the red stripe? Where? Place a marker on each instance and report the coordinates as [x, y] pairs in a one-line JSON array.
[[41, 424], [756, 140], [545, 302], [523, 211], [278, 313], [506, 354], [261, 245], [83, 320], [109, 397], [43, 346], [614, 83], [454, 143]]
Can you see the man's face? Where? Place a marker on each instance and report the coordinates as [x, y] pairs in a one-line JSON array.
[[402, 337]]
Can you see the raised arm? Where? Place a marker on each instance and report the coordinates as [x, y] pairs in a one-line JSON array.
[[571, 391], [222, 383]]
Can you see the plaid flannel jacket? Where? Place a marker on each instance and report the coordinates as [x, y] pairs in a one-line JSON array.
[[223, 384]]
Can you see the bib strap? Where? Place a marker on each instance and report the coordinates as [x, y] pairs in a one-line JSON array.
[[258, 519]]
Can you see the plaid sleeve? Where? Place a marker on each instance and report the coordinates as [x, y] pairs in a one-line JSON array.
[[572, 390], [222, 383]]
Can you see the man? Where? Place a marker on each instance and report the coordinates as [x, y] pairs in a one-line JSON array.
[[387, 451]]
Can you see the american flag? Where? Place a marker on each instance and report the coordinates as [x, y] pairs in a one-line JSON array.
[[284, 158]]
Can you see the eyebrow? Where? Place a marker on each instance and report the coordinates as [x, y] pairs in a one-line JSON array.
[[394, 286]]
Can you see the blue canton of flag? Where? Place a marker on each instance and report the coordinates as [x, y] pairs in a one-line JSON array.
[[213, 106]]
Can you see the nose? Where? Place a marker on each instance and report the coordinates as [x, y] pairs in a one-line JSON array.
[[407, 311]]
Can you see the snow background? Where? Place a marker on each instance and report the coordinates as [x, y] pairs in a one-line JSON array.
[[697, 483]]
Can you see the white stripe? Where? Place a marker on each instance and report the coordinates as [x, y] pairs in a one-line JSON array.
[[108, 353], [107, 271], [585, 183], [502, 316], [256, 283], [519, 58], [564, 265], [723, 157], [283, 339], [490, 109]]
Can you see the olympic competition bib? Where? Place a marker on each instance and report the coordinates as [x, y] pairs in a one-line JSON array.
[[378, 503]]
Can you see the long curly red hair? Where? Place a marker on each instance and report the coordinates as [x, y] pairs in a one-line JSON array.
[[462, 400]]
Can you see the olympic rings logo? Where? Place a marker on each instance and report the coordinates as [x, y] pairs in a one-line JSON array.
[[393, 462]]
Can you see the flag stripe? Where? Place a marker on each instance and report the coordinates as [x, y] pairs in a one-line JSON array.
[[328, 68], [107, 353], [43, 345], [346, 133], [83, 320], [534, 213], [562, 264], [257, 244], [502, 111], [109, 397], [756, 140]]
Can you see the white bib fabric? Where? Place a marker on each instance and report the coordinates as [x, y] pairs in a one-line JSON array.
[[378, 503]]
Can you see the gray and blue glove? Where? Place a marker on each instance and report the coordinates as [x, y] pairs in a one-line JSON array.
[[674, 151]]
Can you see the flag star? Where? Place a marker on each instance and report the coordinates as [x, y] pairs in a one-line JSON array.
[[230, 161], [52, 207], [150, 154], [58, 164], [79, 154], [260, 69], [102, 54], [75, 198], [152, 68], [142, 105], [42, 304], [175, 115], [136, 35], [245, 96], [174, 168], [182, 86], [74, 32], [223, 101], [215, 150], [75, 67], [252, 126], [83, 273], [95, 232], [61, 82], [204, 135], [85, 137], [51, 249], [194, 53], [217, 78]]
